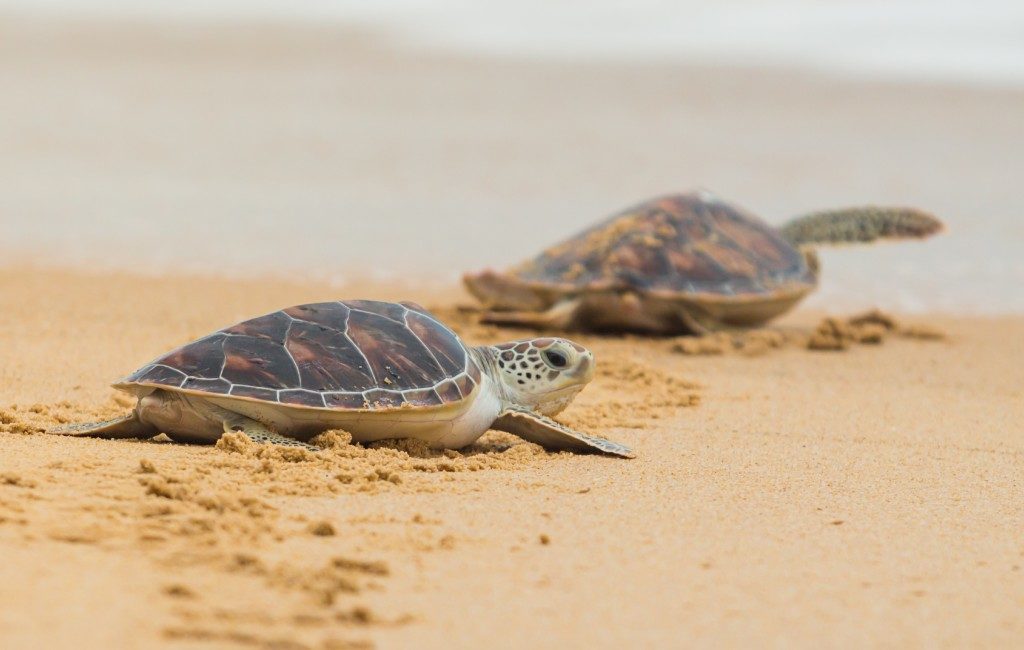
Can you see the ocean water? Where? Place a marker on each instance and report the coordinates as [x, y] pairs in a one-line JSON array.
[[967, 41], [357, 187]]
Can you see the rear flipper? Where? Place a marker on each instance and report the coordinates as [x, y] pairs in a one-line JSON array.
[[188, 418], [561, 316], [551, 435], [129, 426], [183, 419], [261, 434], [501, 291]]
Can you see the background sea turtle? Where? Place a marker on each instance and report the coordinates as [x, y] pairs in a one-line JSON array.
[[375, 369], [684, 263]]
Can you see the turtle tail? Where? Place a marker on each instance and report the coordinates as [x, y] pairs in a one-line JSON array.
[[865, 224]]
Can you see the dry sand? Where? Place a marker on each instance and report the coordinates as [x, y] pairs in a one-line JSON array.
[[792, 497]]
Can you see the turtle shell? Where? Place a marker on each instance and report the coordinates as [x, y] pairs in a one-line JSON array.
[[351, 355], [683, 243]]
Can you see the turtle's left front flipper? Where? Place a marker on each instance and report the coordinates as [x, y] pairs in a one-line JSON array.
[[551, 435]]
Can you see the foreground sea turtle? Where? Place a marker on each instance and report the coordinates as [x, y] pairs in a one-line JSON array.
[[375, 369], [681, 264]]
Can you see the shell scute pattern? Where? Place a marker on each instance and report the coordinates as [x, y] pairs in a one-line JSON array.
[[350, 355], [272, 326], [681, 243], [353, 401], [206, 385], [258, 362], [253, 392], [302, 397], [199, 359], [447, 351], [327, 359], [449, 391], [425, 397], [465, 384], [165, 375]]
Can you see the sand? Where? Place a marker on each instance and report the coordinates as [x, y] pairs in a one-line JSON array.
[[791, 497]]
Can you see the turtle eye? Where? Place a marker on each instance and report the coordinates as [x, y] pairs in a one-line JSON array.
[[556, 358]]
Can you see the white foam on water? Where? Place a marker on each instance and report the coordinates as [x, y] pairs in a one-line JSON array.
[[967, 41]]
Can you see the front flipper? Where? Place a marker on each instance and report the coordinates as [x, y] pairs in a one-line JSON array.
[[551, 435], [129, 426], [259, 433]]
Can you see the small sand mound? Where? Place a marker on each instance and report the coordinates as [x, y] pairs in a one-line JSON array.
[[38, 418], [831, 334], [870, 328], [922, 333], [752, 343], [629, 394], [375, 466]]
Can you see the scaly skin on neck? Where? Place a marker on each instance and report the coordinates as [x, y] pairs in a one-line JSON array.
[[486, 356]]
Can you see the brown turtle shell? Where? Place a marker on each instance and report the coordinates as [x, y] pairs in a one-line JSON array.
[[684, 243], [351, 355]]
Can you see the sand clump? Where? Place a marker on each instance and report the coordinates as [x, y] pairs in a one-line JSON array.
[[38, 418], [375, 466], [630, 394], [869, 328], [831, 334], [751, 343]]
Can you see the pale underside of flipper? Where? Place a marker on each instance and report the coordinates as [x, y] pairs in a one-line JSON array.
[[549, 434]]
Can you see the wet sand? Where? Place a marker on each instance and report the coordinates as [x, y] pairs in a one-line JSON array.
[[789, 497]]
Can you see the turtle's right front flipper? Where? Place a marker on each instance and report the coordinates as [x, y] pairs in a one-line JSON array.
[[129, 426], [552, 435]]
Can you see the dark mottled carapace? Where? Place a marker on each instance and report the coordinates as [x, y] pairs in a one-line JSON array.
[[688, 243], [356, 354]]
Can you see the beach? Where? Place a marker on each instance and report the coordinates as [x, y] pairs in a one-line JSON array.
[[779, 498], [168, 182]]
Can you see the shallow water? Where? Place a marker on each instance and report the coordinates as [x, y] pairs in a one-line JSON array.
[[967, 41], [352, 157]]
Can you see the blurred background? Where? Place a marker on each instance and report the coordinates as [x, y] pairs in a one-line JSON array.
[[413, 140]]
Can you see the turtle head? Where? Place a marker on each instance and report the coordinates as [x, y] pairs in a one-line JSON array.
[[542, 374]]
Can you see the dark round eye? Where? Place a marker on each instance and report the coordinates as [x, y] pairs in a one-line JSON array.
[[557, 359]]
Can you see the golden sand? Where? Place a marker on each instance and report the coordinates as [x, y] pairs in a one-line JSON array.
[[786, 497]]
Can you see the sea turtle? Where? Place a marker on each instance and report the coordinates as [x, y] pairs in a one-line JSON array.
[[375, 369], [680, 264]]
